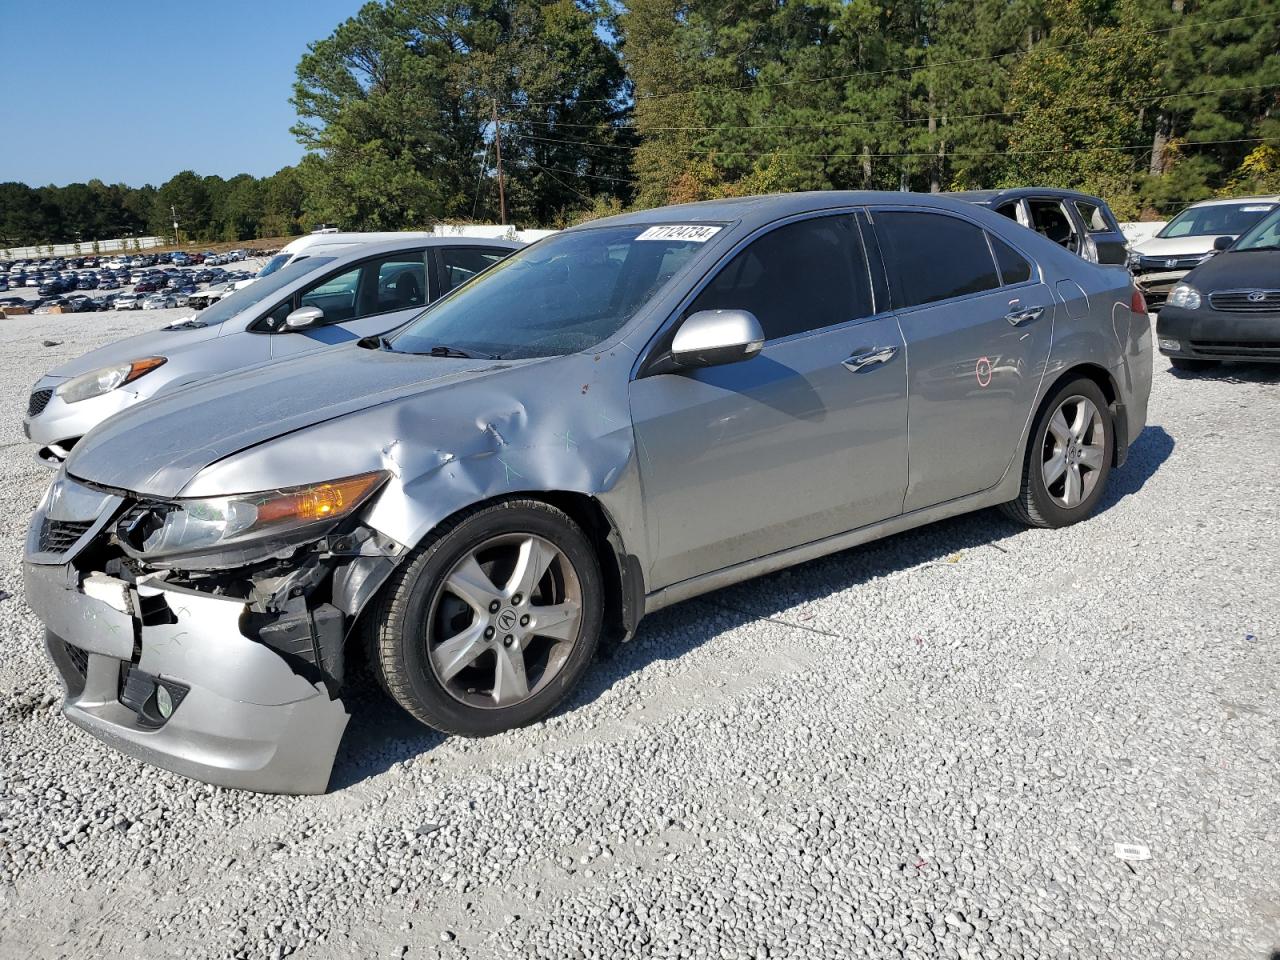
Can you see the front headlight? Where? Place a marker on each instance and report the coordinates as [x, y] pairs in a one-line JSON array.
[[1185, 296], [97, 382], [212, 523]]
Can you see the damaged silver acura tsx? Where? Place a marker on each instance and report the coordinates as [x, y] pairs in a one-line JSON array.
[[621, 416]]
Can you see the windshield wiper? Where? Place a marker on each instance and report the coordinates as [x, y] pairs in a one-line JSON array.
[[441, 350]]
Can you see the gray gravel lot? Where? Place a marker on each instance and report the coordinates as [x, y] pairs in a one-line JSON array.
[[927, 747]]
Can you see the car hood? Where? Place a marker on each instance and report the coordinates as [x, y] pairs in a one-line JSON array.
[[1243, 270], [157, 343], [156, 448], [1174, 246]]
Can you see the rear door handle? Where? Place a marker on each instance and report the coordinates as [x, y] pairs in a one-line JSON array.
[[1019, 317], [878, 355]]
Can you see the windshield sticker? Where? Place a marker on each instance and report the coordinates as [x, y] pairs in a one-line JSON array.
[[680, 232], [1254, 209]]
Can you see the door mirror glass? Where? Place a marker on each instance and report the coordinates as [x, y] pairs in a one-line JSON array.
[[303, 318], [709, 338], [1222, 243]]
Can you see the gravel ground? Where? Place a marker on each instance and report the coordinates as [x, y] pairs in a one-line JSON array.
[[927, 747]]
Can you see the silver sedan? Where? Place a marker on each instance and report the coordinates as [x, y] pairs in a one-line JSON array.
[[619, 417]]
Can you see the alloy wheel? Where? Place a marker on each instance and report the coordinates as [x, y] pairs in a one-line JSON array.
[[1074, 451], [504, 620]]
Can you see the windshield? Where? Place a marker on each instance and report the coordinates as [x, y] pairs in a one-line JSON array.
[[1217, 219], [246, 297], [274, 264], [562, 295], [1264, 236]]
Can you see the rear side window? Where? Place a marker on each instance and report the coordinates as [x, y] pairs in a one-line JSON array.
[[799, 277], [1095, 221], [1013, 267], [934, 257], [1009, 210]]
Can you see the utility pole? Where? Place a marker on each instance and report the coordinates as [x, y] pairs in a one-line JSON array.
[[497, 142], [174, 211]]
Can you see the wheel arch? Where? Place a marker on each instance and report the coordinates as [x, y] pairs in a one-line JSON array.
[[1110, 389], [621, 572]]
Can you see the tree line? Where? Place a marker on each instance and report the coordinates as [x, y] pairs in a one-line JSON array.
[[602, 105]]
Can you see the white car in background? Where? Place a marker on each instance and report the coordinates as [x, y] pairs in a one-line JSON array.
[[1190, 238]]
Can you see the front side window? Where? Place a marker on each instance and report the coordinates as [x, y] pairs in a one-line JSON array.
[[260, 290], [800, 277], [933, 257], [460, 264], [395, 282], [561, 295], [1216, 219]]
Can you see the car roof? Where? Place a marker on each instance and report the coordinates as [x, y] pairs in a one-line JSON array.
[[759, 210], [992, 197], [343, 251], [1268, 198]]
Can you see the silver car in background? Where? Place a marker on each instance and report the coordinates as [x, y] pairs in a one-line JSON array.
[[313, 302], [621, 416]]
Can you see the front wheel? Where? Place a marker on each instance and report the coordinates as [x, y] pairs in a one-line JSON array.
[[491, 623], [1069, 459]]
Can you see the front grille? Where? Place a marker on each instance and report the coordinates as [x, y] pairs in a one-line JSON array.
[[1161, 264], [1246, 301], [39, 400], [1238, 348], [59, 536]]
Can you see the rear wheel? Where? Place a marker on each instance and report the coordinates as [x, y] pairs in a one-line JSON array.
[[1069, 460], [491, 623], [1190, 364]]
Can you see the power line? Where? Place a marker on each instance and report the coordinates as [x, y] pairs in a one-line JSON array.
[[931, 153], [892, 120], [877, 73]]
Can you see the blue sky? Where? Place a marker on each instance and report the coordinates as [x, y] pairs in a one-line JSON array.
[[133, 91]]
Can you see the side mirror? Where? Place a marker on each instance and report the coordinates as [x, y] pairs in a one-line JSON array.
[[1222, 243], [709, 338], [304, 318]]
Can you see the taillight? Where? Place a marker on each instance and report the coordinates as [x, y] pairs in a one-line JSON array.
[[1137, 302]]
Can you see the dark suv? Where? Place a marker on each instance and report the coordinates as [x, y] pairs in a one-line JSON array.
[[1082, 223]]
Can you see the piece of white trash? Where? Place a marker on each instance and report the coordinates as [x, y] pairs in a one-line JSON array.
[[1133, 851]]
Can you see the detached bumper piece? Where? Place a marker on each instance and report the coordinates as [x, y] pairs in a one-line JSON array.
[[169, 676]]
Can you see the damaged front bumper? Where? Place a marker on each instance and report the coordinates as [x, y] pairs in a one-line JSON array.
[[206, 685]]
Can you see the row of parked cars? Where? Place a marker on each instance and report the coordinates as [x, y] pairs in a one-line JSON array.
[[477, 460]]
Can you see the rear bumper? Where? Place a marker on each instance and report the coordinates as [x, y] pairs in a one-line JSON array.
[[1207, 334], [241, 716]]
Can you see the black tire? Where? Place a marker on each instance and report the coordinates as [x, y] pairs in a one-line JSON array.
[[1035, 505], [1191, 364], [397, 634]]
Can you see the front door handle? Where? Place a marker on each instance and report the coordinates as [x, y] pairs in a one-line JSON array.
[[878, 355], [1019, 317]]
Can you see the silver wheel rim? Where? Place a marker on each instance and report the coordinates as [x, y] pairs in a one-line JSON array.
[[1074, 451], [504, 621]]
